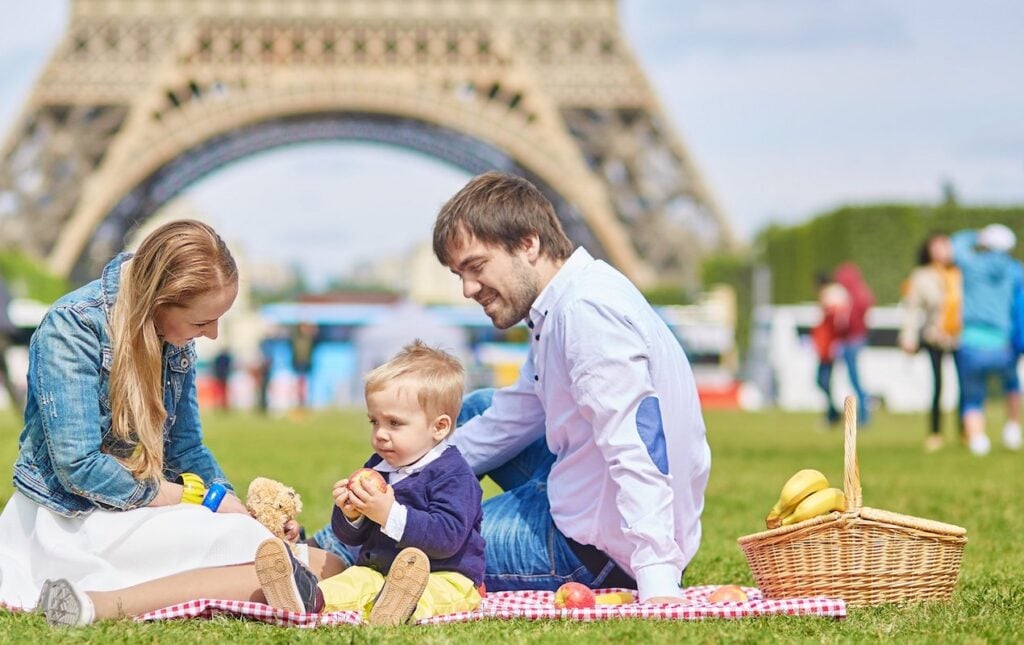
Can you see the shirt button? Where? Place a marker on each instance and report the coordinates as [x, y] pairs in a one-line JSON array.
[[536, 378], [529, 323], [184, 362], [537, 337]]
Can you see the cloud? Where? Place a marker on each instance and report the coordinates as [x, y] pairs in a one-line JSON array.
[[27, 25], [754, 27], [789, 132]]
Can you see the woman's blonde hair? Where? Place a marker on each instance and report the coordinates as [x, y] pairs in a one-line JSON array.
[[438, 377], [174, 264]]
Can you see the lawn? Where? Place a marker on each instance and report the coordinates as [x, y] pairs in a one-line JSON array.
[[753, 454]]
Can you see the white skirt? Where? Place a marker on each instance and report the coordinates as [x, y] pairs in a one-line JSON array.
[[108, 550]]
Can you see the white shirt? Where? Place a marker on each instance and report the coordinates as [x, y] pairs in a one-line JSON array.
[[394, 527], [601, 365]]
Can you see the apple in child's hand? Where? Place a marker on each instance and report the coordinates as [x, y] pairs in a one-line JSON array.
[[369, 478], [573, 595], [728, 593]]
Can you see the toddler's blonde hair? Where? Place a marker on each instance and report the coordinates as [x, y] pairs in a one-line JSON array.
[[438, 377]]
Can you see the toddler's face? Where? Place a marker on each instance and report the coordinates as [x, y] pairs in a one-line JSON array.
[[400, 431]]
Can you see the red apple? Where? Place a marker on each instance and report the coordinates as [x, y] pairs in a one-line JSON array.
[[728, 593], [369, 477], [573, 595]]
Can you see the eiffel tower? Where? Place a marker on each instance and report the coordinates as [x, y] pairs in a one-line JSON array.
[[142, 98]]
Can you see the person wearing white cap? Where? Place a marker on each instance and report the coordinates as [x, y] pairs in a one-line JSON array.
[[997, 237], [990, 278]]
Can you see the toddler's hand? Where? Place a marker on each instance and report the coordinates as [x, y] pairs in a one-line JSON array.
[[371, 502], [343, 500], [291, 531]]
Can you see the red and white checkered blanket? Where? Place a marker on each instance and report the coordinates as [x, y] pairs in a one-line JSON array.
[[529, 605]]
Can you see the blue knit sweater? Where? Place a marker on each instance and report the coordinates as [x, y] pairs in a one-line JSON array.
[[443, 503]]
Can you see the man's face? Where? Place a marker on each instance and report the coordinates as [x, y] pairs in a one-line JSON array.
[[505, 284]]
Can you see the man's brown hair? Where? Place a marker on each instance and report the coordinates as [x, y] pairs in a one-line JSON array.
[[500, 209]]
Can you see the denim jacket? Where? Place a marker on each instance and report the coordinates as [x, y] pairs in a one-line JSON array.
[[67, 452]]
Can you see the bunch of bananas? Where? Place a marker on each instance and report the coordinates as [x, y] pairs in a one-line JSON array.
[[805, 495]]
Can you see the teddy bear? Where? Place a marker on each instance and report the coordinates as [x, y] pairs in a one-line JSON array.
[[272, 504]]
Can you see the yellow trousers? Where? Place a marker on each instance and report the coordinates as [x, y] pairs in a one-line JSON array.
[[355, 589]]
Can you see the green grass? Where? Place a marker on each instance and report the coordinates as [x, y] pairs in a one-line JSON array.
[[753, 454]]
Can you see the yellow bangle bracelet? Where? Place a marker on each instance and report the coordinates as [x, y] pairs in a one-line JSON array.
[[194, 489]]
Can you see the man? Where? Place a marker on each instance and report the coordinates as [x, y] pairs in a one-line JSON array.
[[600, 446]]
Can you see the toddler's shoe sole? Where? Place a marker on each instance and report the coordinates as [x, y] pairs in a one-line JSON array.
[[277, 578], [402, 589]]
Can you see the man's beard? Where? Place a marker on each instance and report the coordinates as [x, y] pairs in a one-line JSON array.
[[514, 305]]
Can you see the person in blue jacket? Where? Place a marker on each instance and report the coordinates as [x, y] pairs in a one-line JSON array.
[[990, 278]]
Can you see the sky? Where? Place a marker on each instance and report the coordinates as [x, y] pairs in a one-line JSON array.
[[789, 107]]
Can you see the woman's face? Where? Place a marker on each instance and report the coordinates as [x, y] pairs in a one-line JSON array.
[[178, 324], [941, 250]]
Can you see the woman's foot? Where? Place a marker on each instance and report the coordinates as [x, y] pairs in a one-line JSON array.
[[402, 589], [64, 605], [933, 443], [286, 582]]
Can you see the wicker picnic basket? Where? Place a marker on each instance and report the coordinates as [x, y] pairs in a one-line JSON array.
[[862, 555]]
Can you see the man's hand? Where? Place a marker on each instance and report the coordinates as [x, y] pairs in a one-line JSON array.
[[343, 500], [371, 502]]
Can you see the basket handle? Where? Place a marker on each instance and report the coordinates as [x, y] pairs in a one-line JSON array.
[[851, 469]]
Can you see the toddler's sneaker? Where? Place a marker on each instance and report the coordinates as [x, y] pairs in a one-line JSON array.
[[286, 582], [64, 605], [402, 589], [1011, 436], [979, 445]]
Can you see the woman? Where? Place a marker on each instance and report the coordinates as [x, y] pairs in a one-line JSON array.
[[934, 293], [111, 422]]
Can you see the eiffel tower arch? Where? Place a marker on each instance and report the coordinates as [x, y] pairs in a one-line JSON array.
[[142, 98]]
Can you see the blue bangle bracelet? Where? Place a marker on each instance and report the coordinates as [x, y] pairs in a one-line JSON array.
[[214, 496]]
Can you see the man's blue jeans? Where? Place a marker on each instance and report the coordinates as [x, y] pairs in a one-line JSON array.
[[524, 549]]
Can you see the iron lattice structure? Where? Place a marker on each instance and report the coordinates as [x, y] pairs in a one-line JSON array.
[[141, 98]]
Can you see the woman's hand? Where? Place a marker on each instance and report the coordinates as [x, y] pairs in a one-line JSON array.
[[371, 502], [343, 500], [231, 504]]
